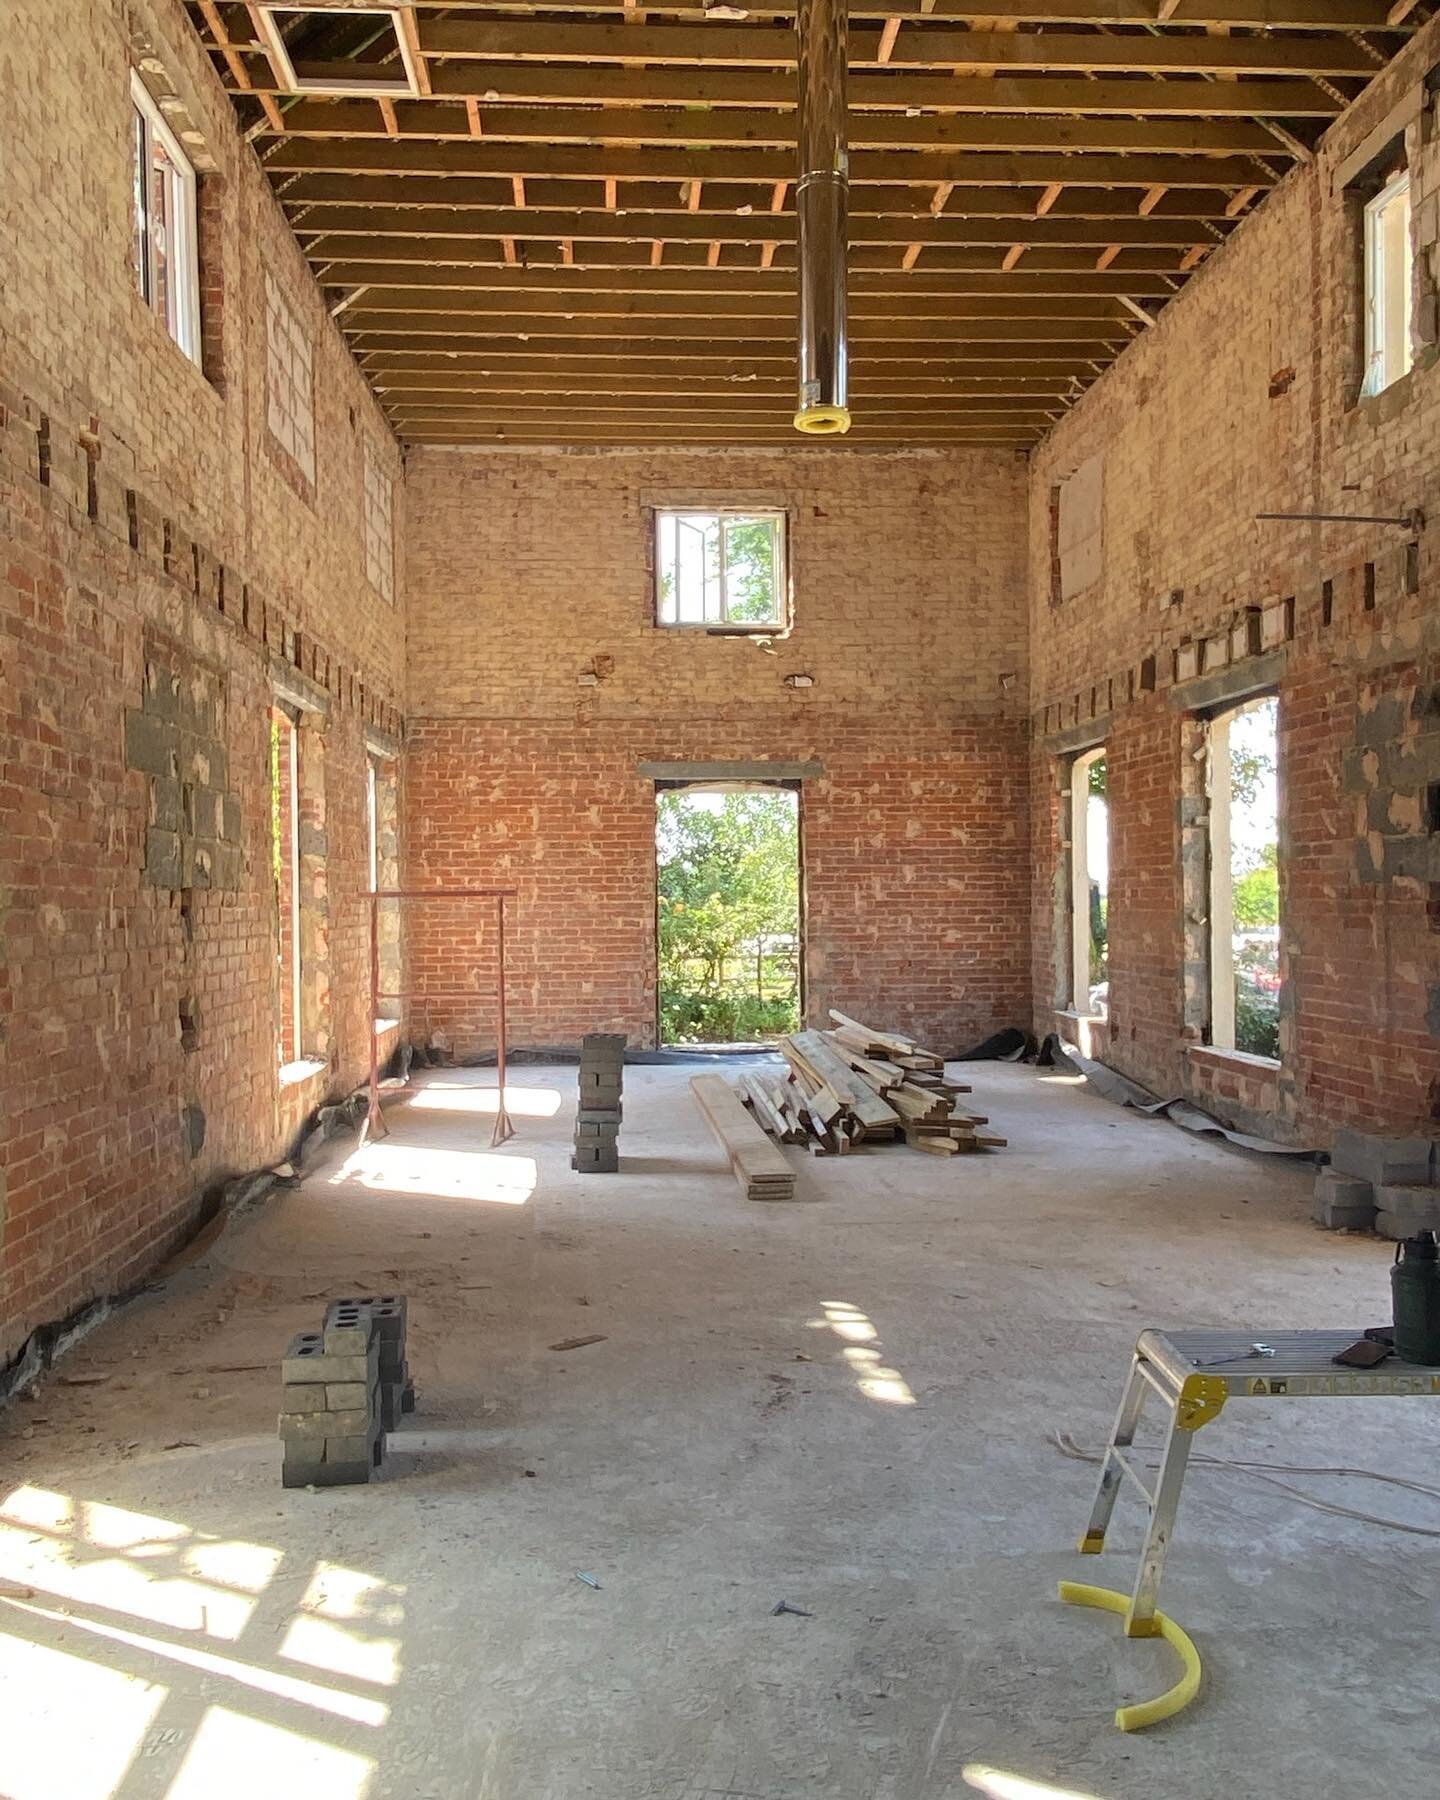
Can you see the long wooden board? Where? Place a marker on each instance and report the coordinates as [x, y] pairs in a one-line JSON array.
[[761, 1170]]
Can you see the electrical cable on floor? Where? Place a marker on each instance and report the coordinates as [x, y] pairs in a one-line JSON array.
[[1266, 1472]]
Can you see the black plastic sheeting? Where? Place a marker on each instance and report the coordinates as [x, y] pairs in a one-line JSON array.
[[1124, 1092]]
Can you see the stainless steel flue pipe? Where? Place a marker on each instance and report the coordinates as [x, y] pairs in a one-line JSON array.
[[821, 203]]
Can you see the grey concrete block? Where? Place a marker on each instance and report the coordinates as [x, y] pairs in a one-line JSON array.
[[600, 1115], [1336, 1193], [352, 1474], [304, 1397], [595, 1159], [603, 1133], [391, 1394], [407, 1397], [356, 1447], [150, 745], [389, 1312], [164, 804], [341, 1396], [163, 861], [1381, 1160], [306, 1359], [353, 1421], [1408, 1202], [348, 1334]]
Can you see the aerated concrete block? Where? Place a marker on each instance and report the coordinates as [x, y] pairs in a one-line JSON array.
[[1406, 1208], [1381, 1160], [1342, 1203]]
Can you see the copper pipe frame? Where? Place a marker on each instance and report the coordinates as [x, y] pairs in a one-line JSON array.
[[375, 1125]]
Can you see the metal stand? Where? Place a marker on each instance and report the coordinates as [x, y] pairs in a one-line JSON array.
[[1193, 1374], [375, 1125]]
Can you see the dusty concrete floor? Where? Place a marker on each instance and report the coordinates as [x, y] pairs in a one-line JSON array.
[[196, 1631]]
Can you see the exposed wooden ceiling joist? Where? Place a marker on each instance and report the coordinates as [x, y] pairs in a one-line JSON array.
[[580, 227], [293, 156]]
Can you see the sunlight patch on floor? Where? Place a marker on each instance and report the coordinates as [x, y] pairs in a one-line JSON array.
[[393, 1168], [999, 1784], [72, 1727], [235, 1757], [521, 1102], [862, 1353]]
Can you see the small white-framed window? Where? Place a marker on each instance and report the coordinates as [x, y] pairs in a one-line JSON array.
[[721, 568], [1387, 285], [167, 263]]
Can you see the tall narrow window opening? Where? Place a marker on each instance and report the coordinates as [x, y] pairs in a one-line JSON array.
[[1090, 884], [285, 854], [1244, 879]]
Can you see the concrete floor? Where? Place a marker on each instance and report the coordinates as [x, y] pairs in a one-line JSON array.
[[194, 1630]]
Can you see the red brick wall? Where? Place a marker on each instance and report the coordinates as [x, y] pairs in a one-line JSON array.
[[909, 597], [159, 531], [1241, 400]]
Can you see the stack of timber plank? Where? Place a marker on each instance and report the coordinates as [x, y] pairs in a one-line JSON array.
[[761, 1170], [853, 1084]]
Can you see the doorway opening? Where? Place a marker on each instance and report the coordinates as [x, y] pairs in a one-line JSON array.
[[727, 908]]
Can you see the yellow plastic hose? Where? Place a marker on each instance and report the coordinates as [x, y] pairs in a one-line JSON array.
[[1173, 1700]]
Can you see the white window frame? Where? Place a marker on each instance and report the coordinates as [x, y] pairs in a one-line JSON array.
[[1080, 768], [360, 87], [780, 542], [1221, 942], [1386, 360], [181, 318]]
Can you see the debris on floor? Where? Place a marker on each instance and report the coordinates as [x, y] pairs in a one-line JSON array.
[[761, 1170], [854, 1084], [345, 1387], [597, 1118]]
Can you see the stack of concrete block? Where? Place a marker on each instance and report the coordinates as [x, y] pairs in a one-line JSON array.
[[387, 1316], [597, 1119], [1389, 1185], [345, 1386]]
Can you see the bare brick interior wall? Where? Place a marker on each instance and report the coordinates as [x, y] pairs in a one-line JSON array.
[[161, 565], [188, 545], [540, 683], [1243, 399]]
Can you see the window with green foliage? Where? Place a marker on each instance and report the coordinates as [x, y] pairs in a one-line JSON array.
[[728, 904], [720, 569], [1245, 879]]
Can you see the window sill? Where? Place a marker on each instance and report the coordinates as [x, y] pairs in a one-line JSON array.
[[306, 1069], [710, 628], [382, 1026], [1210, 1056]]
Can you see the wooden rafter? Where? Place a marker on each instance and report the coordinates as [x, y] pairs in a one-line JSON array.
[[580, 226]]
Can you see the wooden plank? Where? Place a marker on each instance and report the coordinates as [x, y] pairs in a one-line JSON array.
[[859, 1097], [747, 46], [1288, 15], [1241, 134], [633, 89], [746, 163], [761, 1170]]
